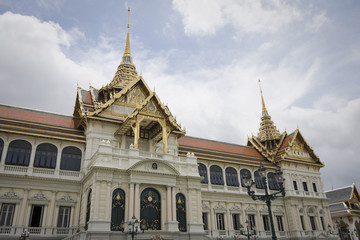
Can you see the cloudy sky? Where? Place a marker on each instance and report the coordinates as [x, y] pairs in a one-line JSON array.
[[204, 59]]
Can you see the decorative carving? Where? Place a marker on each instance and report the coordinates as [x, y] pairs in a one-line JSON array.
[[10, 195], [235, 208], [66, 198], [250, 209], [264, 210], [219, 207], [136, 96], [278, 210], [205, 207], [39, 197]]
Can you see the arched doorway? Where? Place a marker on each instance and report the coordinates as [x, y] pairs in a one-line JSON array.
[[150, 209], [117, 209], [181, 212]]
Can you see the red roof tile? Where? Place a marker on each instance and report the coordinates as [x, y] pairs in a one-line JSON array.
[[219, 146], [36, 116]]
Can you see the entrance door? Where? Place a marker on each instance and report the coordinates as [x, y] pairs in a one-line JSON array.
[[36, 215]]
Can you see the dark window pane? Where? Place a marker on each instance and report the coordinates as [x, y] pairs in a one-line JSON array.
[[295, 185], [1, 147], [273, 185], [231, 177], [18, 153], [70, 159], [244, 172], [216, 175], [258, 181], [203, 173], [45, 156]]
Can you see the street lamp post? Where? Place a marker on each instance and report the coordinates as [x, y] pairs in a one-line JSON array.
[[133, 227], [267, 197], [249, 231]]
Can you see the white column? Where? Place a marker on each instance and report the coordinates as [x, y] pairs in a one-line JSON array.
[[131, 201], [96, 194], [23, 207], [189, 212], [173, 203], [108, 200], [51, 210], [137, 201], [4, 152], [168, 203]]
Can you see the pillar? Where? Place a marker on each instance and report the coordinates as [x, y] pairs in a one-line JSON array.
[[131, 201], [137, 201]]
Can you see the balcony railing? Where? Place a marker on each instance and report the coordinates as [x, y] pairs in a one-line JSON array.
[[38, 231]]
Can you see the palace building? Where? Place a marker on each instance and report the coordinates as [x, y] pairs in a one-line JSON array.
[[123, 154]]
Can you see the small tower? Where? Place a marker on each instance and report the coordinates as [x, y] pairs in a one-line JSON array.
[[126, 71], [268, 134]]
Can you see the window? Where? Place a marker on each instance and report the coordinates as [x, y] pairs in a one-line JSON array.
[[244, 172], [314, 187], [220, 221], [18, 153], [117, 210], [280, 223], [216, 175], [203, 173], [302, 222], [266, 222], [70, 159], [305, 186], [205, 221], [322, 223], [252, 221], [231, 177], [258, 180], [1, 147], [181, 211], [7, 214], [273, 184], [295, 185], [45, 156], [312, 222], [236, 221], [64, 217], [36, 216]]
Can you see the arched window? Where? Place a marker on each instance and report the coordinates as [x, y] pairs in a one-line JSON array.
[[243, 173], [1, 147], [45, 156], [18, 153], [70, 159], [117, 209], [150, 209], [181, 212], [273, 184], [88, 208], [258, 180], [203, 173], [231, 177], [216, 175]]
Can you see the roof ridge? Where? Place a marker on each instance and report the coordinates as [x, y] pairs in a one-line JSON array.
[[350, 186], [216, 141], [37, 110]]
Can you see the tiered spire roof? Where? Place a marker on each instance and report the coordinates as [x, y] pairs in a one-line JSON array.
[[126, 71], [267, 130]]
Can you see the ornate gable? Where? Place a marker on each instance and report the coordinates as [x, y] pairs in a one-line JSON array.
[[299, 150]]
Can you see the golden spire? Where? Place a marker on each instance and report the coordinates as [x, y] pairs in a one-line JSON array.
[[267, 131], [127, 55], [264, 111], [126, 71]]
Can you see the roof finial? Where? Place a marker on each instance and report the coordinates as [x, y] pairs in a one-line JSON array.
[[127, 55], [264, 111]]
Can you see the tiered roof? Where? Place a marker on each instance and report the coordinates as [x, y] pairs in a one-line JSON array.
[[344, 201]]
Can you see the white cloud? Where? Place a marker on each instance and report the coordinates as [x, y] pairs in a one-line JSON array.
[[206, 17], [34, 71], [318, 21]]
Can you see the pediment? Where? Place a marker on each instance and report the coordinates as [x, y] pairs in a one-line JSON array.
[[155, 167], [299, 149]]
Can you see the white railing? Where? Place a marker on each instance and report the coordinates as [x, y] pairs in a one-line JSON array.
[[69, 173], [11, 168], [44, 171], [38, 231]]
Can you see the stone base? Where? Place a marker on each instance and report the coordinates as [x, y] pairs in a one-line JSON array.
[[172, 226], [99, 225]]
